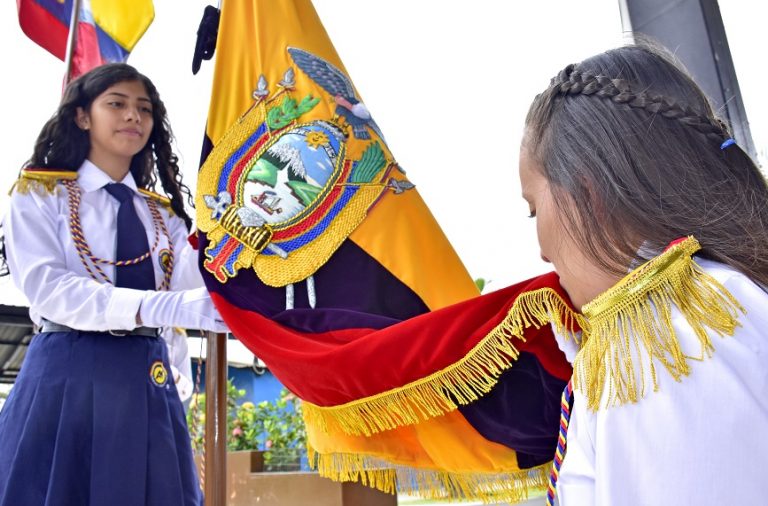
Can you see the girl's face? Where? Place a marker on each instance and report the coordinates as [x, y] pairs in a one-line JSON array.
[[582, 278], [119, 123]]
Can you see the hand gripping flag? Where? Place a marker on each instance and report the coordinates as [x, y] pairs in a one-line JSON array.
[[323, 259], [107, 30]]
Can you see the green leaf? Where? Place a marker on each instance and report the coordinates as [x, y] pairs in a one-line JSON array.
[[369, 165]]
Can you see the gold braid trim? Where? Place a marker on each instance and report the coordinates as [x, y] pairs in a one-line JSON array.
[[160, 199], [458, 384], [500, 486], [633, 322], [41, 181]]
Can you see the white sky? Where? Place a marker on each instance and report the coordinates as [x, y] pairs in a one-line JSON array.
[[448, 82]]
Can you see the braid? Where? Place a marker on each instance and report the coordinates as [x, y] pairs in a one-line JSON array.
[[574, 82]]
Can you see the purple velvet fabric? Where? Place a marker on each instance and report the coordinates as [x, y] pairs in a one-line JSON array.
[[521, 412], [345, 297]]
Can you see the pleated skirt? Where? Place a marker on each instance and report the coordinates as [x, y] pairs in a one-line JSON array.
[[94, 419]]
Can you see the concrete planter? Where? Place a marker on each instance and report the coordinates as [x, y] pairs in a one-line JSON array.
[[247, 488]]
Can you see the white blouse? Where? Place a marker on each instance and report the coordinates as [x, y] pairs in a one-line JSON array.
[[45, 265], [701, 441]]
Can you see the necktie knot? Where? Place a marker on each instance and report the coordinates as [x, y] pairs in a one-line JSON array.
[[120, 191]]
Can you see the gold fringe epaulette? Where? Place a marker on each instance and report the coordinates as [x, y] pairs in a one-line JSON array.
[[160, 199], [629, 328], [458, 384], [432, 484], [42, 181]]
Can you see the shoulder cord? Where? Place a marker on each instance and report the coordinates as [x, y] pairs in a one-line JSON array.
[[565, 417], [84, 251]]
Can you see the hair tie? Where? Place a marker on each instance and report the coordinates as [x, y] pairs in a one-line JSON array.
[[727, 142]]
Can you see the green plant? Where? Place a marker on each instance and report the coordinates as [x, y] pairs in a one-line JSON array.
[[275, 427], [482, 283]]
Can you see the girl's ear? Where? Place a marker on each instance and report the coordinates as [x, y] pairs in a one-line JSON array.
[[82, 120]]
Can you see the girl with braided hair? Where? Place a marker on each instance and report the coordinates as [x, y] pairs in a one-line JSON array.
[[657, 224], [94, 416]]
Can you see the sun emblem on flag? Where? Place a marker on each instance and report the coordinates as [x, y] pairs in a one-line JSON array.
[[316, 139]]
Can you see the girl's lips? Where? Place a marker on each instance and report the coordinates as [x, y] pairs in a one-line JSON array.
[[131, 132]]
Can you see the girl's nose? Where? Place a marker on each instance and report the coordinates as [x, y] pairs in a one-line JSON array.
[[132, 114]]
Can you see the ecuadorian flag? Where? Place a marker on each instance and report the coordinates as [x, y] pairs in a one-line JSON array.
[[107, 30], [324, 260]]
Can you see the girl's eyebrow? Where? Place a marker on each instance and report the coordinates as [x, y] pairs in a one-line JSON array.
[[123, 95]]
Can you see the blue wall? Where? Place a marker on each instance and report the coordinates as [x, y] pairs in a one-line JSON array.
[[257, 388]]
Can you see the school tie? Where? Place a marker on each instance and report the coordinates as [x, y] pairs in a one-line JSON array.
[[131, 243]]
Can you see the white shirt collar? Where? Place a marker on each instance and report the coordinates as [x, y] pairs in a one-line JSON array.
[[92, 178]]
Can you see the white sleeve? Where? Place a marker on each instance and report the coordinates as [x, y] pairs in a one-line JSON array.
[[180, 360], [36, 261]]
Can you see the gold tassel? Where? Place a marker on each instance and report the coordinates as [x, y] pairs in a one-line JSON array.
[[633, 322], [499, 486], [458, 384], [43, 182]]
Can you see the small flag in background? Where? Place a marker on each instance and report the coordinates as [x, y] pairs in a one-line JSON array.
[[107, 30]]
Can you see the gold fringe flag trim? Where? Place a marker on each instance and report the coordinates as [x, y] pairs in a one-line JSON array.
[[504, 486], [633, 321], [41, 181], [458, 384]]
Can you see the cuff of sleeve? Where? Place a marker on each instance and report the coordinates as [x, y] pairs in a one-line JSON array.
[[183, 384], [124, 304]]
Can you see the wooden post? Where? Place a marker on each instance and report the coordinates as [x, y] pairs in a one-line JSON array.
[[71, 40], [216, 420]]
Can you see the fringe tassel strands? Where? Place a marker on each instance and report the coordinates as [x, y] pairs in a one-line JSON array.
[[458, 384], [633, 322], [511, 486]]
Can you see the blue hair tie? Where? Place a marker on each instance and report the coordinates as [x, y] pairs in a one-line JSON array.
[[727, 142]]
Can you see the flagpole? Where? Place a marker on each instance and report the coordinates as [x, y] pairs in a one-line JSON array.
[[215, 485], [71, 39]]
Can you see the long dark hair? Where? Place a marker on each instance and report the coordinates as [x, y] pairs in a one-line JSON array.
[[63, 145], [630, 139]]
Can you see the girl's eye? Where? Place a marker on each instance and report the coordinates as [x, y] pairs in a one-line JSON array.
[[533, 213], [146, 110], [115, 104]]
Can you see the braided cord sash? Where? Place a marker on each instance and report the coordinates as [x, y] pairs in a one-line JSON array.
[[91, 262], [565, 417]]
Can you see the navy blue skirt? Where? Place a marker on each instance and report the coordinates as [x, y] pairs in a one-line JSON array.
[[94, 419]]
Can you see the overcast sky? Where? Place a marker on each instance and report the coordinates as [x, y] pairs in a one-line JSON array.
[[448, 82]]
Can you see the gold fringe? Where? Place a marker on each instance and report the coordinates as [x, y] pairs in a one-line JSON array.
[[633, 322], [43, 182], [505, 486], [458, 384]]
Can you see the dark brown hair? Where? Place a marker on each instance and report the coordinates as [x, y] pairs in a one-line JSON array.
[[62, 145], [630, 139]]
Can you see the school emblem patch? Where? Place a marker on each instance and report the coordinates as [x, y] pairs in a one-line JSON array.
[[165, 258], [158, 373], [290, 180]]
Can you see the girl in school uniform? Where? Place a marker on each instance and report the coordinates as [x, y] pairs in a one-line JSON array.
[[94, 417], [657, 224]]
